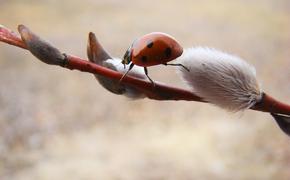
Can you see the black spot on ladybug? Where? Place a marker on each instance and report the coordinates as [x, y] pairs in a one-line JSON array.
[[150, 44], [167, 52], [144, 59]]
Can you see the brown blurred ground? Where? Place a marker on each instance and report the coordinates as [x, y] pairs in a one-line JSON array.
[[60, 124]]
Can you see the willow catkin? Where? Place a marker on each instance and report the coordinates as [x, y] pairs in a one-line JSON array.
[[220, 78]]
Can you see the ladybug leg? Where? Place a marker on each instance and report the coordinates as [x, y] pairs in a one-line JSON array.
[[181, 65], [130, 67], [146, 73]]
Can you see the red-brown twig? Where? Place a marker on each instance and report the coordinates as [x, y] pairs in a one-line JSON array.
[[50, 55], [9, 37]]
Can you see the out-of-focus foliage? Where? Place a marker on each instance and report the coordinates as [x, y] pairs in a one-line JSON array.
[[58, 124]]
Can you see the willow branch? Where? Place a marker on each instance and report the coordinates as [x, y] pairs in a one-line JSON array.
[[51, 55]]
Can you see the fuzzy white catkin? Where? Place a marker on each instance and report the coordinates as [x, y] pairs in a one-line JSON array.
[[136, 71], [220, 78], [116, 86]]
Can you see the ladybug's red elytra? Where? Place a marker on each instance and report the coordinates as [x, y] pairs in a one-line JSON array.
[[152, 49]]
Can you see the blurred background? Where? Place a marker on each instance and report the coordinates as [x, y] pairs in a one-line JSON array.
[[61, 124]]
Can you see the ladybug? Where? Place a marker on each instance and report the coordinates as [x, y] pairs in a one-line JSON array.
[[152, 49]]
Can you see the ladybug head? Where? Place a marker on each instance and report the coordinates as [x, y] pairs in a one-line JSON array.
[[127, 57]]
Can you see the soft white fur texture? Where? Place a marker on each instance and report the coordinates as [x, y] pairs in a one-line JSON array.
[[220, 78], [136, 71], [115, 85]]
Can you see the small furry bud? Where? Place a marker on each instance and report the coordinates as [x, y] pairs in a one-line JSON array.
[[221, 79], [97, 54], [114, 85]]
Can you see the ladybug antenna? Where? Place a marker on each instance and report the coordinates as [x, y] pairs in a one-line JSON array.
[[181, 65], [124, 75]]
